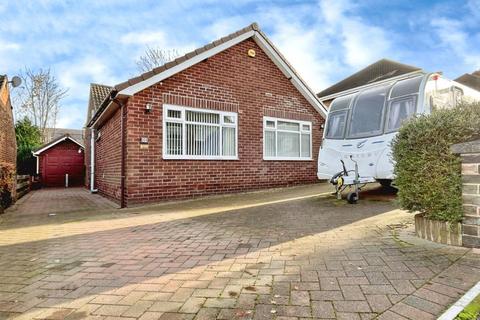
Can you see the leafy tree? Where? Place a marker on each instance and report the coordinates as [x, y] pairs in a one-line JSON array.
[[28, 138]]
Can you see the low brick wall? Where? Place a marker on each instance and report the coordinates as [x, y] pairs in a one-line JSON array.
[[470, 153]]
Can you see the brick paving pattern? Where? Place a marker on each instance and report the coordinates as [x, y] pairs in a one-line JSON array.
[[285, 254]]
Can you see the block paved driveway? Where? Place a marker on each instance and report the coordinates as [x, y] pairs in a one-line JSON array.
[[293, 253]]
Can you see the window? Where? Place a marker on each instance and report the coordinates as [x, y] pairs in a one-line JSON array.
[[336, 125], [367, 113], [406, 87], [199, 134], [399, 111], [287, 139]]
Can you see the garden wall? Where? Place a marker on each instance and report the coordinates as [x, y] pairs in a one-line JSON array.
[[470, 153]]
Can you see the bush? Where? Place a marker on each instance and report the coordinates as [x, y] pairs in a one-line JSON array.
[[7, 183], [428, 175]]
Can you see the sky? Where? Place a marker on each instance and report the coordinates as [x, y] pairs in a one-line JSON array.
[[86, 41]]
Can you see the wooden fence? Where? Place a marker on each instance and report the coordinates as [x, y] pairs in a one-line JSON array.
[[23, 185]]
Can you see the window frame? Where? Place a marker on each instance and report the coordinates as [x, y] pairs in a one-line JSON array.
[[378, 132], [182, 120], [412, 97], [327, 127], [300, 132]]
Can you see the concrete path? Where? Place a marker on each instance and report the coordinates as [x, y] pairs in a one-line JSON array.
[[286, 254]]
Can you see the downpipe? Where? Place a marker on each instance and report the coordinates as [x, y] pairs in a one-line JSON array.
[[92, 161]]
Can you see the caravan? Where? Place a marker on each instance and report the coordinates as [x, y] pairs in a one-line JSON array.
[[356, 148]]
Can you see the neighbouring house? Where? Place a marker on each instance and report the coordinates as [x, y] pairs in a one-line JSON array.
[[230, 116], [471, 80], [383, 70], [51, 134], [8, 146], [60, 162]]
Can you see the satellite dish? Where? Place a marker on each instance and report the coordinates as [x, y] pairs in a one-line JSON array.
[[16, 81]]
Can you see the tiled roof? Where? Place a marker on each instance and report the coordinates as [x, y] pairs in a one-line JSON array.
[[50, 144], [54, 133], [98, 93], [380, 70], [168, 65], [144, 76], [470, 80]]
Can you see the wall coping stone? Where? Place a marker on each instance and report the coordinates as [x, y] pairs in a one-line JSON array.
[[466, 147]]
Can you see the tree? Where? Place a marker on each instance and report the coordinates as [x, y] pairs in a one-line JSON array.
[[155, 57], [39, 98], [28, 138]]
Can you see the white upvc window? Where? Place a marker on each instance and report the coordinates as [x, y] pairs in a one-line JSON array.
[[285, 139], [190, 133]]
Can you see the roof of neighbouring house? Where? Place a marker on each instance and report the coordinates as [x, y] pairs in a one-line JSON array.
[[54, 142], [54, 133], [381, 70], [170, 68], [471, 80], [98, 93]]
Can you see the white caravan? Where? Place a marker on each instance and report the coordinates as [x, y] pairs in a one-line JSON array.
[[360, 126]]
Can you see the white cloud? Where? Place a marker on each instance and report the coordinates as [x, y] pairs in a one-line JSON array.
[[456, 40], [363, 43], [145, 38]]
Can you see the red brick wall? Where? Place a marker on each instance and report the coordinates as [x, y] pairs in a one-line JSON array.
[[108, 158], [8, 143], [257, 88]]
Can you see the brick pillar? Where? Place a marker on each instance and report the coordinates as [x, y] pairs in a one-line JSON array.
[[470, 154]]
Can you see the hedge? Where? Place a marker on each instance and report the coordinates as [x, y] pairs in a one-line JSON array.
[[428, 175]]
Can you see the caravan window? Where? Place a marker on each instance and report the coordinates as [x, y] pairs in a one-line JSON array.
[[336, 125], [341, 103], [399, 111], [367, 113], [406, 87]]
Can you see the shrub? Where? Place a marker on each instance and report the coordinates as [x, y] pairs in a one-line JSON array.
[[7, 183], [428, 175]]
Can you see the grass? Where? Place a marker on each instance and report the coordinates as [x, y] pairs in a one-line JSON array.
[[472, 311]]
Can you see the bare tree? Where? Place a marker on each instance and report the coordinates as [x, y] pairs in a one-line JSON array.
[[39, 98], [155, 57]]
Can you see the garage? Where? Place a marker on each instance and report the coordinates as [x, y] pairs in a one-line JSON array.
[[60, 163]]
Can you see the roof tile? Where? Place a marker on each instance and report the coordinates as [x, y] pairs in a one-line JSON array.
[[380, 70]]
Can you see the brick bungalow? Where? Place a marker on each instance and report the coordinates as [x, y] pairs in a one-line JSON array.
[[230, 116], [8, 143]]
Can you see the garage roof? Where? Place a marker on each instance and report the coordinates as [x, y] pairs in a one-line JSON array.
[[55, 142]]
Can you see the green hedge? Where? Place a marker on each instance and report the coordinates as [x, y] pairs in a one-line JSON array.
[[427, 173]]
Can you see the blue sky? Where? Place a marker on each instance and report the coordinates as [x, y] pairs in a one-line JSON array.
[[325, 40]]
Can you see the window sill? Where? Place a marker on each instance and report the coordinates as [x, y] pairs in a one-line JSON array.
[[286, 159], [198, 158]]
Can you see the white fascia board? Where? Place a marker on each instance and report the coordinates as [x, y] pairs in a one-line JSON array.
[[264, 45], [101, 115], [131, 90], [365, 86], [289, 73], [36, 153]]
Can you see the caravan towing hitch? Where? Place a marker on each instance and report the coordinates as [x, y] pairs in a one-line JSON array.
[[343, 179]]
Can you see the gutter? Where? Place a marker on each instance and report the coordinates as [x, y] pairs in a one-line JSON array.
[[107, 102]]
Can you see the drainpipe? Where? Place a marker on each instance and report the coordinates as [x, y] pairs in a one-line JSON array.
[[123, 152], [92, 161]]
